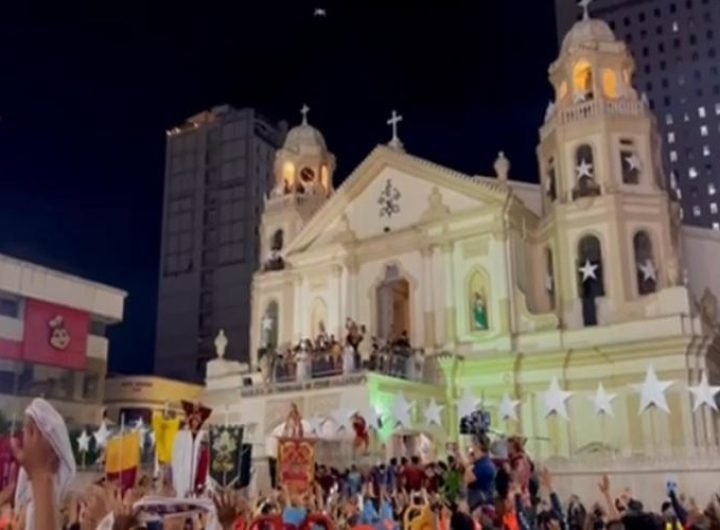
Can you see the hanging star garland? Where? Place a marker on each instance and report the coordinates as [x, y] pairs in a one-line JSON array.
[[467, 404], [507, 408], [602, 401], [341, 416], [83, 442], [401, 411], [315, 422], [555, 399], [584, 169], [588, 271], [374, 418], [101, 435], [432, 413], [652, 391], [704, 394], [648, 270]]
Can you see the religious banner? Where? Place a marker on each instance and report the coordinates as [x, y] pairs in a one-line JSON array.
[[296, 464], [165, 429], [122, 459], [225, 454]]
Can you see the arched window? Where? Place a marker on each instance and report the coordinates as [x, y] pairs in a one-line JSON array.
[[583, 80], [325, 178], [610, 84], [644, 263], [585, 172], [549, 277], [276, 242], [630, 162], [269, 326], [590, 277], [288, 174], [551, 182]]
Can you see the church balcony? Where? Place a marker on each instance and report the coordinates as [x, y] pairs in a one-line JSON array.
[[593, 109]]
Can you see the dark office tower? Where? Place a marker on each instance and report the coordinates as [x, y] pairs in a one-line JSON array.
[[675, 44], [218, 167]]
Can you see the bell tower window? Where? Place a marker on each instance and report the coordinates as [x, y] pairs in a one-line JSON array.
[[583, 81], [646, 272], [590, 277], [585, 173], [630, 162], [610, 84], [551, 180], [288, 174], [549, 277]]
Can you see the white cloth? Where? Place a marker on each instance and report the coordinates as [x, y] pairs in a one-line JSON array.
[[303, 366], [185, 458], [52, 426], [348, 360], [150, 504]]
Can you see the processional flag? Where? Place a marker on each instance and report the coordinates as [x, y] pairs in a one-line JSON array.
[[226, 444]]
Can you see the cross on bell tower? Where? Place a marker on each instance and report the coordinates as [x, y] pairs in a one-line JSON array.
[[585, 6], [304, 111], [395, 142]]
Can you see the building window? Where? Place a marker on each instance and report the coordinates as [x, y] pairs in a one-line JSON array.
[[630, 162], [585, 173], [711, 189], [696, 211], [97, 328], [551, 181], [590, 277], [703, 130], [583, 79], [646, 272], [671, 137], [692, 172], [716, 227], [669, 119], [713, 208], [706, 150], [9, 306], [549, 277], [673, 156], [701, 112], [610, 83], [717, 109]]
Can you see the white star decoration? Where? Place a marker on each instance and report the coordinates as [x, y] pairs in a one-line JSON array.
[[401, 410], [507, 407], [83, 442], [315, 422], [467, 404], [584, 169], [432, 413], [704, 393], [648, 270], [633, 162], [341, 416], [555, 398], [652, 391], [374, 418], [101, 435], [602, 401], [588, 271]]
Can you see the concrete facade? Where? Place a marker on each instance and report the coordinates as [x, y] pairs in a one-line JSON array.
[[218, 166]]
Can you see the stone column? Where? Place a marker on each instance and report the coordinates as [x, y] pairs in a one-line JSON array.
[[450, 306], [428, 289]]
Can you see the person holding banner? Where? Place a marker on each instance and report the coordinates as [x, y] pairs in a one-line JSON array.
[[188, 462]]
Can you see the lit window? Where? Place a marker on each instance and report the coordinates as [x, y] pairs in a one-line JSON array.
[[692, 172], [713, 207], [711, 189], [582, 78], [609, 84], [696, 211], [717, 109], [668, 119], [673, 156], [676, 27], [686, 118], [706, 150], [703, 130], [671, 137], [701, 112], [716, 226], [678, 192]]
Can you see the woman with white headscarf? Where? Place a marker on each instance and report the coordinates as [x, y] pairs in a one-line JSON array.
[[47, 465]]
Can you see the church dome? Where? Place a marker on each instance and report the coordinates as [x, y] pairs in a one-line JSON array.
[[305, 139], [588, 30]]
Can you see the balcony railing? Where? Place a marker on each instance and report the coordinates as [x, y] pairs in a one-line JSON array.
[[591, 109]]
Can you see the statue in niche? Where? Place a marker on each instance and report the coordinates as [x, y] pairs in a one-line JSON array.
[[708, 307], [479, 312]]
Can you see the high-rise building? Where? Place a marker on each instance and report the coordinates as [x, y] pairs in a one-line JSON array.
[[675, 44], [218, 168]]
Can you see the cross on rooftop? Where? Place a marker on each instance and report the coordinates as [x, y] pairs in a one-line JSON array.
[[304, 111], [393, 122]]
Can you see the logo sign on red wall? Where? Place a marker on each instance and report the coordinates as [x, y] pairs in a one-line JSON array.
[[55, 335]]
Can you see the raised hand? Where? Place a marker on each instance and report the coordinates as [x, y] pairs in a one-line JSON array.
[[226, 508], [36, 455], [604, 485]]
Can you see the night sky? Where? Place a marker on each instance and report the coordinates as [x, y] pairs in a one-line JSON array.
[[87, 94]]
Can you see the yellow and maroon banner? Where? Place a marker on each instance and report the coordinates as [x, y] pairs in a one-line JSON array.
[[296, 464]]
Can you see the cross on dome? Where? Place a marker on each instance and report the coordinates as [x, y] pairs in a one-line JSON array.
[[395, 118], [585, 6], [304, 111]]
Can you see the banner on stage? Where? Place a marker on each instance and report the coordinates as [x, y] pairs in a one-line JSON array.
[[226, 443], [296, 464]]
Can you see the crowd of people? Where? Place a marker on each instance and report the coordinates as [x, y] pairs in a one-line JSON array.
[[326, 356], [464, 492]]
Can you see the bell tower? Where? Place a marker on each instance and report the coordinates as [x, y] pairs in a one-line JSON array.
[[604, 200], [303, 182]]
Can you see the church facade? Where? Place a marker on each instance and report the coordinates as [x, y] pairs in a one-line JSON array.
[[583, 279]]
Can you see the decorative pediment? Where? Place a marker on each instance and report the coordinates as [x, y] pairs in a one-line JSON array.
[[392, 191]]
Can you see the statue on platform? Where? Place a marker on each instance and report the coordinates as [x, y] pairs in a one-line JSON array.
[[293, 424], [221, 343], [479, 312]]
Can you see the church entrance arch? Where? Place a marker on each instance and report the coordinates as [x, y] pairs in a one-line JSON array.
[[393, 304]]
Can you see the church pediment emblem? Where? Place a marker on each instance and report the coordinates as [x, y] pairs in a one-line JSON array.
[[59, 335], [389, 200]]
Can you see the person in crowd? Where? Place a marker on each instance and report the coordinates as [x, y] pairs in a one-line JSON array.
[[479, 476]]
